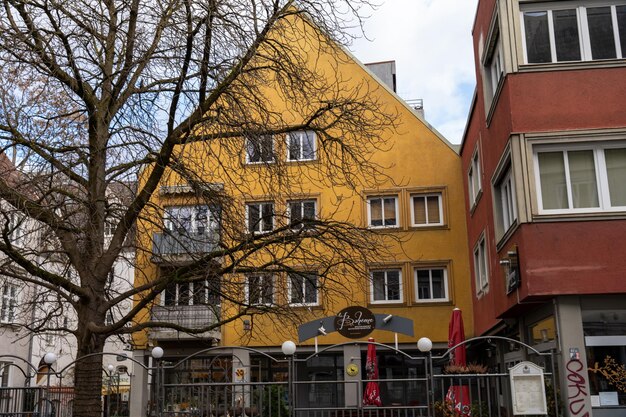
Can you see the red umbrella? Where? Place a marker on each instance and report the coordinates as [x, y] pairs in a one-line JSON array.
[[371, 396], [456, 335], [458, 398]]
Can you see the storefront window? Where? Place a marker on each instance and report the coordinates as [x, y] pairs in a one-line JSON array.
[[404, 387], [543, 331], [605, 340]]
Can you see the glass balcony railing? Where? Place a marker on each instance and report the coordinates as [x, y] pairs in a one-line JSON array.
[[188, 316], [173, 243]]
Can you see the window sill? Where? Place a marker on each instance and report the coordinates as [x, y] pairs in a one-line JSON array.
[[427, 227], [429, 303], [475, 202], [576, 65], [301, 161], [507, 235], [563, 216], [259, 164], [306, 306], [384, 228], [386, 303]]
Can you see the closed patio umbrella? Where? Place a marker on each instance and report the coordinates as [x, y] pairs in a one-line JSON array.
[[458, 398], [371, 395]]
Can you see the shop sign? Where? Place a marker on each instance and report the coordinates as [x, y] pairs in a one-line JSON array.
[[355, 322]]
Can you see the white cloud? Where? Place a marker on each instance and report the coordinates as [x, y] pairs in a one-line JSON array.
[[431, 42]]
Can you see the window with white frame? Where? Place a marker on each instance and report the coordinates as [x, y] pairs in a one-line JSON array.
[[109, 228], [17, 228], [5, 368], [301, 145], [426, 210], [574, 31], [301, 212], [259, 149], [431, 284], [386, 286], [583, 177], [505, 201], [191, 220], [8, 309], [260, 289], [494, 68], [303, 288], [190, 293], [260, 217], [473, 179], [481, 272], [382, 211]]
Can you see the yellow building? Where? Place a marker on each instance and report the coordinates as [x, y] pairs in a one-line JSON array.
[[394, 217]]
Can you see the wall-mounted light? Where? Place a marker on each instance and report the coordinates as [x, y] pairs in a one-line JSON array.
[[322, 330], [387, 318]]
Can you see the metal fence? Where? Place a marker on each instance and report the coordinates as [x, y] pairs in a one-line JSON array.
[[216, 382]]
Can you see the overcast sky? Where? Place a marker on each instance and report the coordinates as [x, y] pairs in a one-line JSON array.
[[430, 40]]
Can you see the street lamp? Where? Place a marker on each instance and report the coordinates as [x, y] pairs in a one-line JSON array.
[[425, 345], [49, 358], [289, 349], [157, 353], [110, 369]]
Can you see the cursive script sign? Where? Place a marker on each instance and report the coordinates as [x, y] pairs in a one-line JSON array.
[[355, 322]]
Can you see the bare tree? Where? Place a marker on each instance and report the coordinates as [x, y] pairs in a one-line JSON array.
[[106, 104]]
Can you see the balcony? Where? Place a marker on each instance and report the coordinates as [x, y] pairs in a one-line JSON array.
[[176, 247], [190, 316]]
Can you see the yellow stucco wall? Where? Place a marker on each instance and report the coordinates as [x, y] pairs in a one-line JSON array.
[[416, 158]]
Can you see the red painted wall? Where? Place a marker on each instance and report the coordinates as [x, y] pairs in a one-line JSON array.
[[567, 100]]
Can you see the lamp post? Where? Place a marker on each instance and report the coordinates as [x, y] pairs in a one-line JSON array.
[[49, 358], [157, 353], [289, 349], [425, 345], [109, 375]]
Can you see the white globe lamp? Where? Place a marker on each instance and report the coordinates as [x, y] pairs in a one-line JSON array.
[[157, 352], [424, 345], [50, 358], [288, 348]]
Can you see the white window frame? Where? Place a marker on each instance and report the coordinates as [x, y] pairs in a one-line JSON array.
[[190, 302], [386, 285], [263, 278], [382, 199], [5, 374], [17, 222], [9, 301], [301, 204], [262, 159], [300, 136], [481, 265], [445, 284], [439, 205], [583, 27], [506, 200], [474, 188], [602, 185], [302, 276], [259, 225], [211, 225]]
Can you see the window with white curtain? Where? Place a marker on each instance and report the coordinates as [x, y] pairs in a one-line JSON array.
[[585, 177]]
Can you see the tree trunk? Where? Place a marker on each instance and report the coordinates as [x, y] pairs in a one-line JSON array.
[[88, 376]]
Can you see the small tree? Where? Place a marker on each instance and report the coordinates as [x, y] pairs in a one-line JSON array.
[[96, 94]]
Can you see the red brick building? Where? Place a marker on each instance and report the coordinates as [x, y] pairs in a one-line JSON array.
[[544, 155]]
